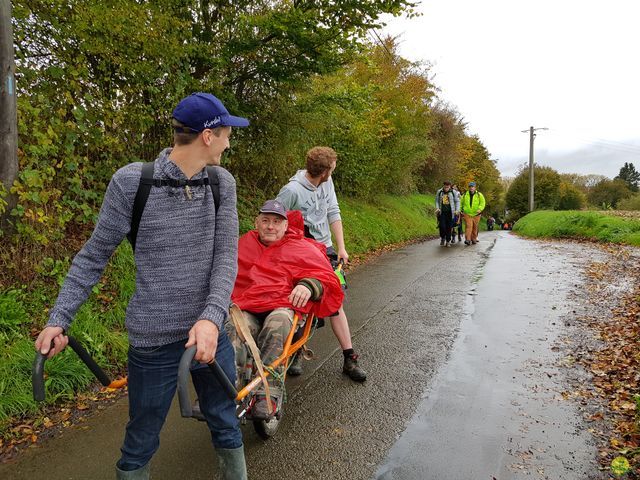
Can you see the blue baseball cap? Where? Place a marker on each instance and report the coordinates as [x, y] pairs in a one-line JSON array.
[[472, 184], [200, 111]]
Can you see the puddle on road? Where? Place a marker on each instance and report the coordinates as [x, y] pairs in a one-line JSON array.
[[495, 410]]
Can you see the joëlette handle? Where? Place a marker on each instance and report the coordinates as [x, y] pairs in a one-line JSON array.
[[37, 372], [183, 381]]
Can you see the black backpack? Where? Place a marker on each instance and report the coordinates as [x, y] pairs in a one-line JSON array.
[[147, 181]]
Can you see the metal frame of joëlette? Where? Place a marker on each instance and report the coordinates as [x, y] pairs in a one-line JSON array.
[[288, 350]]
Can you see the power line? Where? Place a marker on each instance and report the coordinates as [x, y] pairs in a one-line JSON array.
[[610, 144], [615, 142], [382, 44]]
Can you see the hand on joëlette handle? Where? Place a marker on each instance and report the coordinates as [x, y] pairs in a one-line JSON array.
[[204, 334], [48, 336]]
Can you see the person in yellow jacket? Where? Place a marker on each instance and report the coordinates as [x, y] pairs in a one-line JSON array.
[[472, 204]]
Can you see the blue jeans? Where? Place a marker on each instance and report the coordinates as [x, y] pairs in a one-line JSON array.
[[153, 375]]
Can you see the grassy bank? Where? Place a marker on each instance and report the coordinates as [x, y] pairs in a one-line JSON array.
[[99, 324], [386, 220], [597, 226]]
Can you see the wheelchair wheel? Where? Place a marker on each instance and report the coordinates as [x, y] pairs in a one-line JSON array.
[[267, 428]]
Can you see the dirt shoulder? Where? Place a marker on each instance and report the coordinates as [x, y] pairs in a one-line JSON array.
[[602, 356]]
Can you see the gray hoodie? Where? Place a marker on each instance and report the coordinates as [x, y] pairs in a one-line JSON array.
[[319, 205]]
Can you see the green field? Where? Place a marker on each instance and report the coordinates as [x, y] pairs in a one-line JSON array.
[[598, 226], [99, 323]]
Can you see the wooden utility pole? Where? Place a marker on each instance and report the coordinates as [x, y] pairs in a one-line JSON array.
[[8, 109], [532, 135]]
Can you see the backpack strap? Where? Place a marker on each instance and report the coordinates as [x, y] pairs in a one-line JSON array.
[[144, 187], [214, 183]]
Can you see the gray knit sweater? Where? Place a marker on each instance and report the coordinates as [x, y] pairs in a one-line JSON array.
[[186, 256]]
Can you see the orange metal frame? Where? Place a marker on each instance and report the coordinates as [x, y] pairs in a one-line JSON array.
[[287, 352]]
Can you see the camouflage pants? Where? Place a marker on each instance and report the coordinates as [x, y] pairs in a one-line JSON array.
[[269, 333]]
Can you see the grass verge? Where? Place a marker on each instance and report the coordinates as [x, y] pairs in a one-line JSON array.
[[386, 220], [596, 226]]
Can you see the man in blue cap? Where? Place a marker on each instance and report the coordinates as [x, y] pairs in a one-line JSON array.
[[185, 236]]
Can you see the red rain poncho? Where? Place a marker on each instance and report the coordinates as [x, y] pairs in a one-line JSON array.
[[266, 275]]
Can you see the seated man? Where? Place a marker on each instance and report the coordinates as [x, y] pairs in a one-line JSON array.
[[280, 272]]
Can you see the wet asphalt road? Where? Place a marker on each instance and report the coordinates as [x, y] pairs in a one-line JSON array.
[[461, 384], [496, 404]]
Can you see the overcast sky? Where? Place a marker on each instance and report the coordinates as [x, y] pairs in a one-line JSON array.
[[571, 66]]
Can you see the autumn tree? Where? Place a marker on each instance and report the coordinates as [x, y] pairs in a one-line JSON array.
[[583, 182], [474, 164], [375, 112], [607, 193], [546, 191], [446, 136], [570, 197]]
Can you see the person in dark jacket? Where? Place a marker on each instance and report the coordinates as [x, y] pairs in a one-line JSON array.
[[447, 207]]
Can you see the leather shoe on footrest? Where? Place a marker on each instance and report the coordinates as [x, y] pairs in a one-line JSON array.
[[259, 411]]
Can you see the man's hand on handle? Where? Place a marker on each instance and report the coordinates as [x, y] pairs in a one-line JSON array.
[[204, 334], [48, 336], [343, 255]]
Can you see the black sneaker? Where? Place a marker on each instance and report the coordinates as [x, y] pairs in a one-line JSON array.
[[467, 242], [459, 238], [295, 369], [441, 241], [453, 241], [446, 244], [473, 242], [352, 369]]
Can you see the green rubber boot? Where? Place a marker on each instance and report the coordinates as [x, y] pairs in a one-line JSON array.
[[232, 464], [139, 474]]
